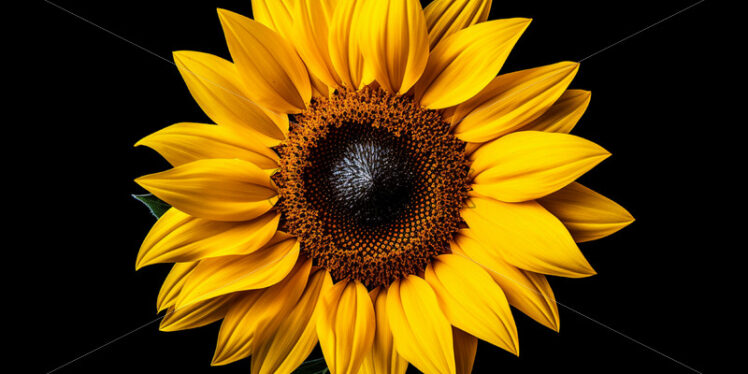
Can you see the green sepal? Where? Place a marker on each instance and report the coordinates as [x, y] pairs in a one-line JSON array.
[[316, 366], [154, 204]]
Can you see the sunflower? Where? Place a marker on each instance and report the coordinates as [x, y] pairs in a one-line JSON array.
[[373, 185]]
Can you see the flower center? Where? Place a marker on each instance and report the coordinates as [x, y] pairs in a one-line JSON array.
[[371, 177], [371, 184]]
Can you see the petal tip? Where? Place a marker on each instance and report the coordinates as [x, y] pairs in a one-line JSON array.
[[223, 12], [179, 55]]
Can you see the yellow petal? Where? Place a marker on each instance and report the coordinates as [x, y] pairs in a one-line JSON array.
[[472, 301], [186, 142], [319, 88], [196, 315], [237, 329], [258, 311], [216, 189], [345, 326], [587, 214], [394, 40], [466, 61], [383, 357], [527, 165], [304, 24], [222, 275], [218, 89], [445, 17], [179, 237], [466, 346], [563, 115], [422, 334], [512, 100], [167, 296], [527, 236], [275, 14], [272, 72], [312, 19], [343, 43], [527, 291], [282, 350]]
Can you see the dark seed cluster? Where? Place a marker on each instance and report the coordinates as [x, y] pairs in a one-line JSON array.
[[372, 184]]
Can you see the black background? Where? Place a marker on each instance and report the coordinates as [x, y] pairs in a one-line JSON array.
[[653, 105]]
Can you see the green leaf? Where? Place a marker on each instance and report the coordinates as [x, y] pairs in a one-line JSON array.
[[154, 204], [316, 366]]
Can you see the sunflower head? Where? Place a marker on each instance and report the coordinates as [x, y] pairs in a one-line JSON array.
[[372, 185]]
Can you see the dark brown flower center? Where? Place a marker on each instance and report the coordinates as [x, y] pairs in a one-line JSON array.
[[372, 185]]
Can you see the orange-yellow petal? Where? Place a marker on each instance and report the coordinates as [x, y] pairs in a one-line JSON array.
[[383, 357], [587, 214], [563, 115], [179, 237], [275, 14], [283, 349], [169, 292], [222, 275], [197, 314], [343, 45], [527, 291], [346, 326], [445, 17], [217, 88], [272, 72], [256, 312], [511, 101], [466, 61], [216, 189], [527, 165], [394, 41], [466, 346], [186, 142], [527, 235], [421, 332], [309, 35], [472, 301]]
